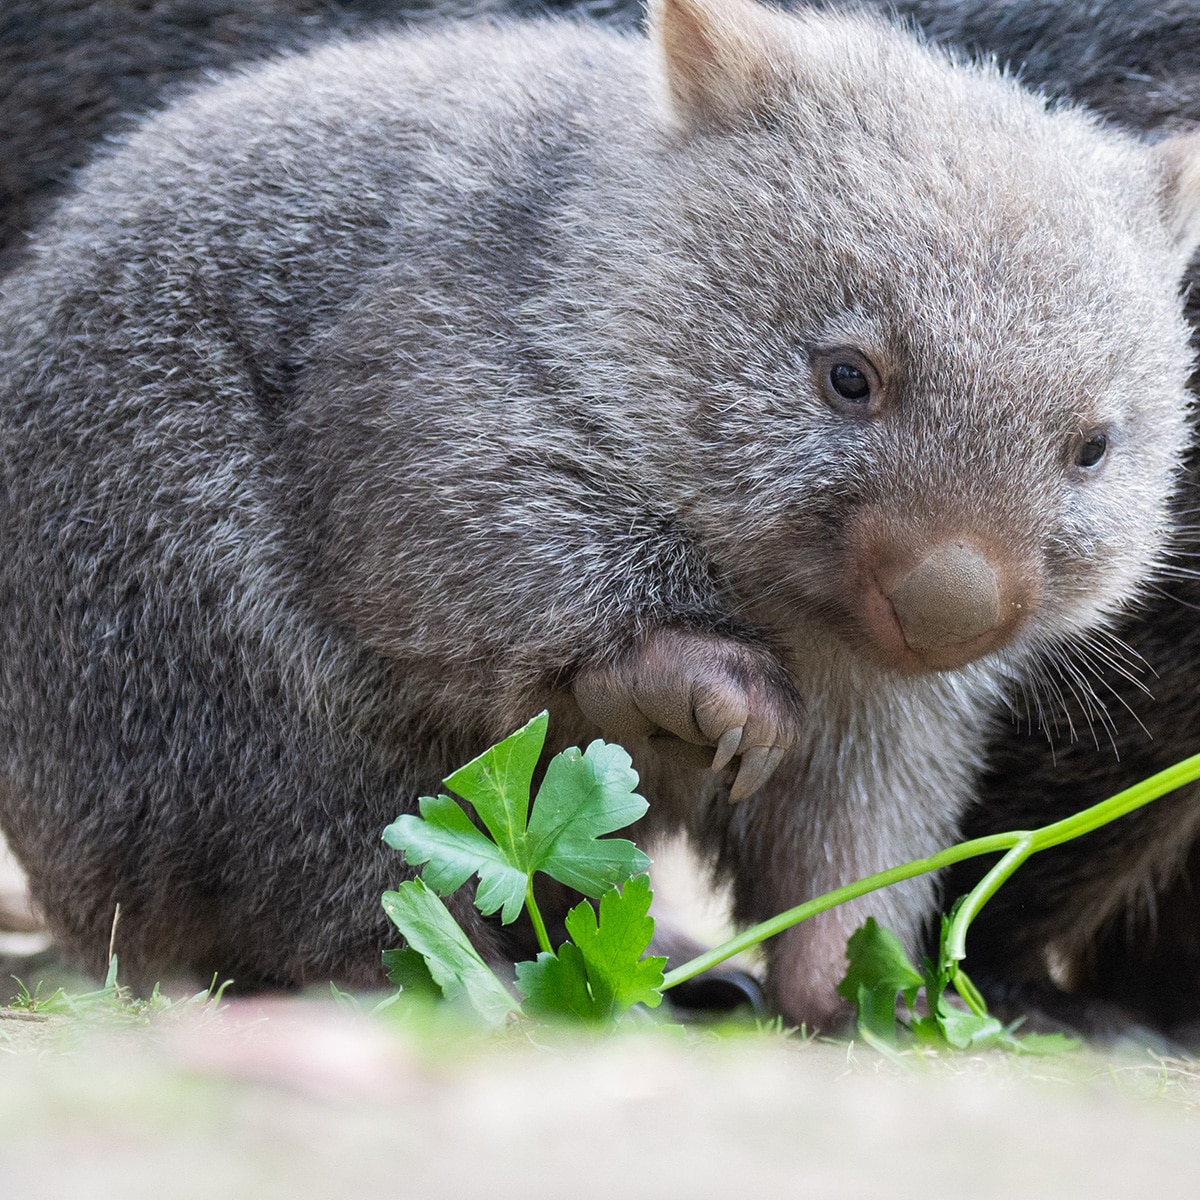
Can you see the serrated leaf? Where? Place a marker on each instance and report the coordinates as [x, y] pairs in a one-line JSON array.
[[409, 971], [450, 848], [602, 974], [556, 985], [582, 797], [496, 784], [454, 964], [612, 947], [878, 970]]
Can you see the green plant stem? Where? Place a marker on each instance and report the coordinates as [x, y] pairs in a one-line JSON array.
[[535, 915], [755, 934], [981, 893], [1016, 846], [968, 991], [1055, 834]]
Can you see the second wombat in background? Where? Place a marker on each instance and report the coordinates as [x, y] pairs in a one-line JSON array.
[[775, 386]]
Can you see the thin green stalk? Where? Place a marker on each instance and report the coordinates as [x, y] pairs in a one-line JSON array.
[[1117, 806], [751, 937], [981, 893], [1018, 846], [535, 915], [1071, 827]]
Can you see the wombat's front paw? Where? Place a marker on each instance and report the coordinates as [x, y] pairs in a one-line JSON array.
[[707, 690]]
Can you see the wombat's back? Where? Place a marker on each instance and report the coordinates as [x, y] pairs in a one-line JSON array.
[[182, 733], [187, 730]]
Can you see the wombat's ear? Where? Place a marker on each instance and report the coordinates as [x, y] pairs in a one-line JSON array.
[[1179, 162], [725, 62]]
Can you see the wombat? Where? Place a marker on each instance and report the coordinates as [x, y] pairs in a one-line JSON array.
[[1117, 923], [773, 386]]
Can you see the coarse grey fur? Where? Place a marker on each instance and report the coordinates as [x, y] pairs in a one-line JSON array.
[[362, 405], [73, 72], [1111, 915]]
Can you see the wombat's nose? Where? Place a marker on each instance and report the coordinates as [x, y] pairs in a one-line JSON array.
[[951, 596]]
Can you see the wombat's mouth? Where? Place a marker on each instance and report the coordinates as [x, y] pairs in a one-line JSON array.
[[932, 603]]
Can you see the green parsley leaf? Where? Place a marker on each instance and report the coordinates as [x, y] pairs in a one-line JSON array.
[[409, 971], [496, 785], [878, 969], [582, 797], [453, 963], [452, 849], [556, 986], [603, 974]]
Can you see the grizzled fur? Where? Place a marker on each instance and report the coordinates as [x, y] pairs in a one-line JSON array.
[[74, 71], [361, 406], [1104, 913]]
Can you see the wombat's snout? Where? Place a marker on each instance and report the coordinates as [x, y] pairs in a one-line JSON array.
[[951, 596], [934, 602]]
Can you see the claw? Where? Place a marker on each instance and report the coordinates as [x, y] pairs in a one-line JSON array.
[[758, 765], [727, 747]]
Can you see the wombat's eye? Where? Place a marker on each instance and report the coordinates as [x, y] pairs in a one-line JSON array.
[[1090, 449], [848, 380]]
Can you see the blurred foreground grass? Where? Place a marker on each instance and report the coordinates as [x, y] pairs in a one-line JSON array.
[[301, 1098]]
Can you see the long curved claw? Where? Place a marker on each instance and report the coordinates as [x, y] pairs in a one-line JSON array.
[[727, 747], [758, 765]]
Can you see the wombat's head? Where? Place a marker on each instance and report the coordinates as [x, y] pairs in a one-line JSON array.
[[926, 334]]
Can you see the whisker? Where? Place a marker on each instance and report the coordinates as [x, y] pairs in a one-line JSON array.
[[1124, 660], [1094, 671], [1158, 590], [1094, 709], [1043, 680]]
